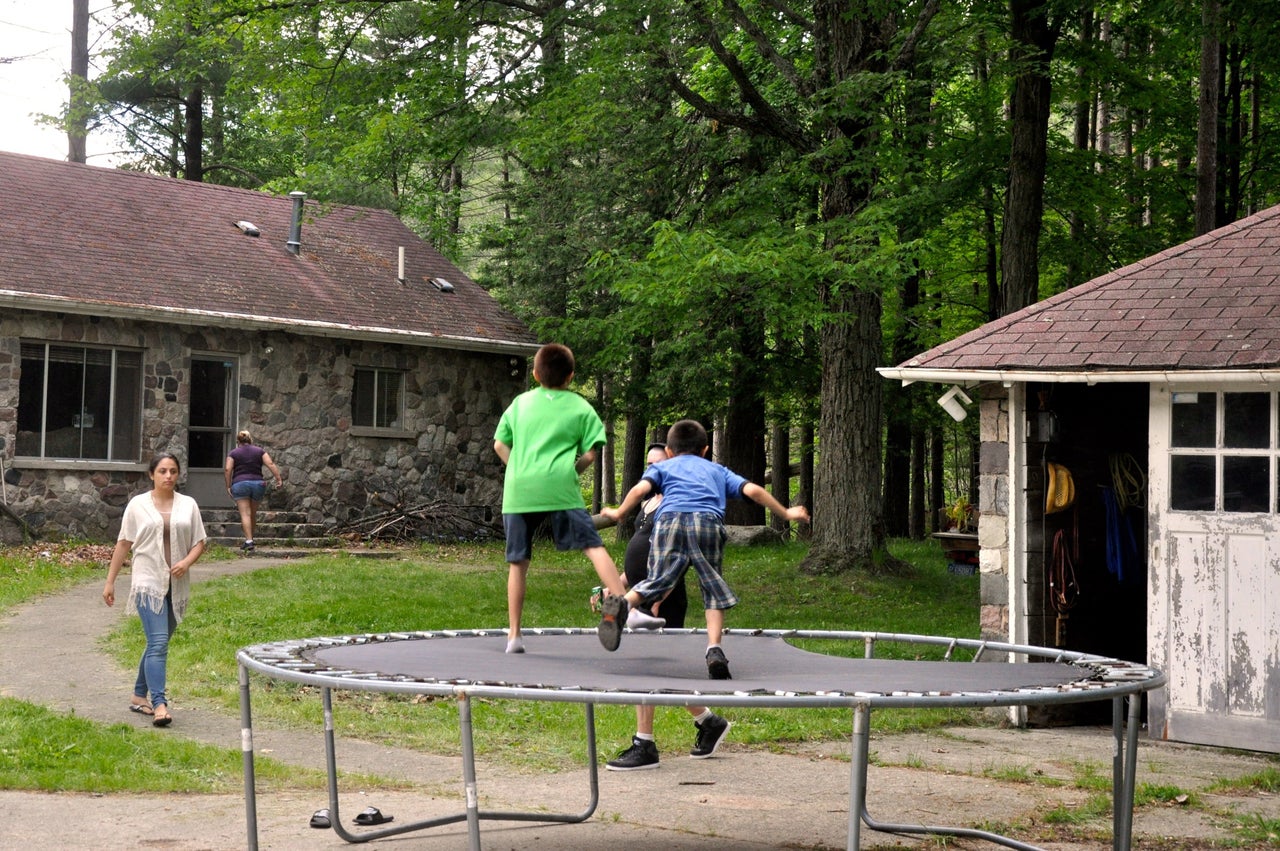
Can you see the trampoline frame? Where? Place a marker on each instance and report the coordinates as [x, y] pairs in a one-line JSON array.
[[1104, 678]]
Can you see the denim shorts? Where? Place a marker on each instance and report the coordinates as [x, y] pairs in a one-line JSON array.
[[249, 490], [571, 529]]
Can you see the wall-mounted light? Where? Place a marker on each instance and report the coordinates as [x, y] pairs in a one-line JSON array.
[[952, 403]]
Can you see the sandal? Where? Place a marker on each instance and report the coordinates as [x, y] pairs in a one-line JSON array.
[[141, 708], [162, 720]]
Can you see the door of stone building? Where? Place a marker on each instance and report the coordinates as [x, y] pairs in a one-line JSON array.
[[1215, 564], [211, 428]]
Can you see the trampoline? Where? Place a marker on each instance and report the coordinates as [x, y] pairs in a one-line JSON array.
[[665, 668]]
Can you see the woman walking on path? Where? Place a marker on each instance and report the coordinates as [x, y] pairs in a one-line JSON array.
[[243, 472], [164, 531]]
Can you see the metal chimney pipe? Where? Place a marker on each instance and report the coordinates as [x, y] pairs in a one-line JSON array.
[[295, 227]]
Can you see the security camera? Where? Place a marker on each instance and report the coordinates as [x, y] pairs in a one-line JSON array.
[[952, 403]]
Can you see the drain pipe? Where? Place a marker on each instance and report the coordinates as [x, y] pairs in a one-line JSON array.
[[294, 245]]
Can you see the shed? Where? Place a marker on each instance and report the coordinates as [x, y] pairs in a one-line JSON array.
[[1155, 388]]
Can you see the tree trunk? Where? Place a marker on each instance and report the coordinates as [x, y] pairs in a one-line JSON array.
[[742, 438], [78, 114], [804, 495], [1033, 43], [1207, 130], [193, 137], [918, 527], [780, 464]]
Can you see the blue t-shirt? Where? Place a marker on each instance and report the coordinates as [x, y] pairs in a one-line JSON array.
[[692, 483]]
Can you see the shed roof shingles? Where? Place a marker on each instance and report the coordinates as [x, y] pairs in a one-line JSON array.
[[1212, 302]]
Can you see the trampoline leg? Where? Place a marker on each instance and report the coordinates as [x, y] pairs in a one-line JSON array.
[[1124, 770], [858, 772], [246, 748], [469, 770]]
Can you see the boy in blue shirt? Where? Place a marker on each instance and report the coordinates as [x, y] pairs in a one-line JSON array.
[[546, 437], [688, 530]]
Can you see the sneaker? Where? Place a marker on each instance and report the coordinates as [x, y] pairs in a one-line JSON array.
[[710, 734], [717, 665], [642, 754], [247, 547], [515, 645], [614, 611], [638, 618]]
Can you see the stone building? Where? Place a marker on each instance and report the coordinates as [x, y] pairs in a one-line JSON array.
[[141, 314]]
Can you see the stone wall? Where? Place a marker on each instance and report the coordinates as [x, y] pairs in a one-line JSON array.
[[295, 398], [993, 517]]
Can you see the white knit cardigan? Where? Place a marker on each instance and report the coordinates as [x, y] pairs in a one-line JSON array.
[[143, 527]]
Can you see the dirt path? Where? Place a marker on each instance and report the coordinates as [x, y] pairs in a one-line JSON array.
[[739, 800]]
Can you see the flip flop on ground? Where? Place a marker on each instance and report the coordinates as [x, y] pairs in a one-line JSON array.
[[162, 716], [141, 708]]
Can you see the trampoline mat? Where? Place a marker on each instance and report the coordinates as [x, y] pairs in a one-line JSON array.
[[674, 663]]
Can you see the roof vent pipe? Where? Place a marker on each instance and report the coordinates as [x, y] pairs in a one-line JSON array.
[[295, 226]]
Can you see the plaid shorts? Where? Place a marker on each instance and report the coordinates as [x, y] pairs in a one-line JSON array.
[[681, 540], [571, 529]]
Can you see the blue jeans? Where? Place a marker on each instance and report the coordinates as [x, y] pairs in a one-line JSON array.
[[157, 626]]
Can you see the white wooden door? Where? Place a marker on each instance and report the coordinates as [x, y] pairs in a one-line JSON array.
[[1214, 625]]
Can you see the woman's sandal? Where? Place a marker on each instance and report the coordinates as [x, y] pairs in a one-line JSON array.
[[141, 708], [162, 720]]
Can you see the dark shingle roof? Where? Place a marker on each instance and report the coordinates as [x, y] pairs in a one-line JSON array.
[[87, 239], [1212, 303]]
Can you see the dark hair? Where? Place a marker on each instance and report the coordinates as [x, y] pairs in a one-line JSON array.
[[687, 437], [653, 446], [160, 456], [553, 365]]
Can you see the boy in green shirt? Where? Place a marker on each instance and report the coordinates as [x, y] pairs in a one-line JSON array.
[[547, 437]]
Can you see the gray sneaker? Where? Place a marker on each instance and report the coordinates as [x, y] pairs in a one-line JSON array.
[[642, 754], [613, 613], [710, 734], [717, 665]]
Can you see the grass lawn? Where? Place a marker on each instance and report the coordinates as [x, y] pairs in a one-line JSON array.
[[464, 587]]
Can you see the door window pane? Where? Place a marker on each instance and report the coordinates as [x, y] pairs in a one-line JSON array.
[[1246, 420], [1246, 483], [1194, 417], [1191, 482]]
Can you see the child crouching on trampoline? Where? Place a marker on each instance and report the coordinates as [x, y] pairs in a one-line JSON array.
[[688, 530]]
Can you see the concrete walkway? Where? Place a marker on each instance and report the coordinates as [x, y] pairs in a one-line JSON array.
[[741, 799]]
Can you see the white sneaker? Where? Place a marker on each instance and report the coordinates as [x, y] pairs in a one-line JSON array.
[[515, 645], [637, 619]]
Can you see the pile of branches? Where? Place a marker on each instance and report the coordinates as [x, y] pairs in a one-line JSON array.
[[433, 520]]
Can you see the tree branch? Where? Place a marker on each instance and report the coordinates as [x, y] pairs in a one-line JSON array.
[[784, 65]]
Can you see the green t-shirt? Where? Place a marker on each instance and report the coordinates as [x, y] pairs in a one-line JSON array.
[[547, 430]]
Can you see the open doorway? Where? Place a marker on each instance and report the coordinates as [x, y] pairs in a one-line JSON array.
[[1087, 561], [211, 427]]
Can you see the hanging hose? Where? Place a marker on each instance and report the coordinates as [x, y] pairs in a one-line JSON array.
[[1128, 479]]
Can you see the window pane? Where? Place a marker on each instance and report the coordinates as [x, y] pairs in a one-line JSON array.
[[1246, 483], [362, 398], [1191, 482], [1194, 419], [1246, 420], [30, 400], [389, 399], [63, 405], [125, 435], [94, 419], [206, 449]]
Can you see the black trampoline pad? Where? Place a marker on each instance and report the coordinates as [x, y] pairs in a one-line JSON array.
[[674, 663]]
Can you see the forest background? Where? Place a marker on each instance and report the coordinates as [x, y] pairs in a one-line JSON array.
[[734, 210]]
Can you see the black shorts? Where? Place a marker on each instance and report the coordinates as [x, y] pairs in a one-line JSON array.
[[571, 529]]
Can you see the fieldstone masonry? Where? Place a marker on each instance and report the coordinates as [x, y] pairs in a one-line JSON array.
[[993, 514], [295, 397]]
